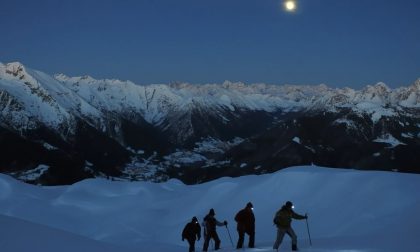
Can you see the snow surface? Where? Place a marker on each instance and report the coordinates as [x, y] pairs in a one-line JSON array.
[[349, 123], [349, 210], [296, 140], [390, 140], [407, 135], [33, 174]]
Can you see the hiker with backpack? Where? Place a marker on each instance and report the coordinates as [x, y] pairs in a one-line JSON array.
[[210, 223], [246, 225], [283, 220], [190, 232]]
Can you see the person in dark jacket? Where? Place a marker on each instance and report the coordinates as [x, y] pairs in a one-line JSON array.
[[283, 220], [210, 224], [190, 232], [246, 225]]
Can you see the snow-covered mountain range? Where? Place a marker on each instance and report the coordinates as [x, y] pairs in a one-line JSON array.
[[67, 128]]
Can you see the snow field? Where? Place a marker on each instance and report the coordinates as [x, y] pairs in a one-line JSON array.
[[348, 210]]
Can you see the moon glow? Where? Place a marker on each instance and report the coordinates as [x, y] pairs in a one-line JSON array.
[[290, 5]]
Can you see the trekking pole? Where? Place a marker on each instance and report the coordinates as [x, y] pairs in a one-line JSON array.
[[307, 227], [230, 237]]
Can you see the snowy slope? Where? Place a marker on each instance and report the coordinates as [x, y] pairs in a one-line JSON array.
[[19, 236], [349, 211], [30, 99]]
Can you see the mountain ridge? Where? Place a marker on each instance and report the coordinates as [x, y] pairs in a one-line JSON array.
[[158, 120]]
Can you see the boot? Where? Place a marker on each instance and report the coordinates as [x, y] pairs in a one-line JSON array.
[[294, 247], [217, 246]]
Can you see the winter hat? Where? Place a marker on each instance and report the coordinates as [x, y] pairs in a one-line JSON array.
[[212, 212], [289, 204], [249, 205]]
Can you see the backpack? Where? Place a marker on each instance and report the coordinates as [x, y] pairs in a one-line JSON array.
[[239, 216], [281, 218], [209, 224]]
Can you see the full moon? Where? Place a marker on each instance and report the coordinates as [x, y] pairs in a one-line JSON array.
[[290, 5]]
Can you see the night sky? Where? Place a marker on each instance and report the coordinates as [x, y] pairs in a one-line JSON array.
[[337, 42]]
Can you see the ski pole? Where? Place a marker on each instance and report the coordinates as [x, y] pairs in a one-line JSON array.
[[230, 237], [307, 227]]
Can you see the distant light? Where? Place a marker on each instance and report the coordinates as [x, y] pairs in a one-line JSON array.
[[290, 5]]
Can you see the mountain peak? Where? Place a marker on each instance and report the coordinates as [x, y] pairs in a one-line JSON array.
[[17, 71], [61, 77], [232, 85], [382, 87], [15, 65], [416, 85], [87, 78]]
